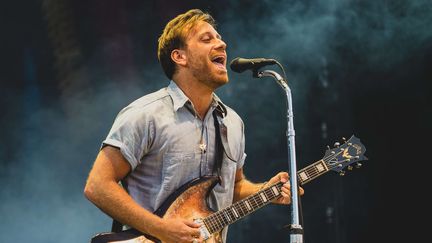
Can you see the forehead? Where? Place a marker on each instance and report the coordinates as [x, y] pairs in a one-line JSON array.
[[201, 28]]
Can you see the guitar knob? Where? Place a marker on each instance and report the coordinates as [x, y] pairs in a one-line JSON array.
[[342, 173], [358, 165]]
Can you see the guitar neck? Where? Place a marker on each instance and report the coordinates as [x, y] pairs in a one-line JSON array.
[[217, 221]]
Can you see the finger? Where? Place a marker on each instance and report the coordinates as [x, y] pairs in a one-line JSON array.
[[287, 185], [301, 191], [197, 240], [191, 224], [286, 192], [195, 233], [283, 176]]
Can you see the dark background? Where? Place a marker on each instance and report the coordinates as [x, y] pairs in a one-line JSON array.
[[355, 68]]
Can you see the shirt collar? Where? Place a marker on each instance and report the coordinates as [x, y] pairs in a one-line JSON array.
[[219, 106], [177, 95], [180, 99]]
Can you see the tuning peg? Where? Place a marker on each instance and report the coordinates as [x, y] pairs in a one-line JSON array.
[[349, 167], [328, 147], [344, 139], [342, 173], [336, 144], [358, 165]]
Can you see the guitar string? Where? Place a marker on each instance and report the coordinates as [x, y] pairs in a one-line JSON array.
[[241, 207], [313, 174], [230, 214]]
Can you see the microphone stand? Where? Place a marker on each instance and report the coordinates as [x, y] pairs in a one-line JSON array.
[[296, 230]]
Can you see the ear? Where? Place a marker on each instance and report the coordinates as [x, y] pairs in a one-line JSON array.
[[179, 57]]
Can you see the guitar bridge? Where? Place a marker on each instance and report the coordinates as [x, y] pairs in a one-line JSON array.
[[205, 234]]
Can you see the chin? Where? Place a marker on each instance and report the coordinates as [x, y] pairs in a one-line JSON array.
[[221, 80]]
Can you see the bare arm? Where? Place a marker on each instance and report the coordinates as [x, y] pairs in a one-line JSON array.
[[244, 187], [103, 190]]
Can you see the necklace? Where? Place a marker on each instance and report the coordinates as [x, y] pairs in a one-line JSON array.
[[202, 145]]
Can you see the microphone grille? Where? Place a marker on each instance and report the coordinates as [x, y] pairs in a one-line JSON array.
[[234, 65]]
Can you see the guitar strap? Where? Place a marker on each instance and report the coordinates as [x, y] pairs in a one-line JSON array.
[[221, 144], [220, 131]]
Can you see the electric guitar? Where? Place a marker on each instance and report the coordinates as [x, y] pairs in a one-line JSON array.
[[189, 201]]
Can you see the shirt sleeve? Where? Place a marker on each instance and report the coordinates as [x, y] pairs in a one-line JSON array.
[[131, 133]]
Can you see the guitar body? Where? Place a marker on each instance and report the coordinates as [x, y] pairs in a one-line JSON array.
[[188, 202]]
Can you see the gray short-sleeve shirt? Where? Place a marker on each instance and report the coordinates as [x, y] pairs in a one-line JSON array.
[[167, 145]]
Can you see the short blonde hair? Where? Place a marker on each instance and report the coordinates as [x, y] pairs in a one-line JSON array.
[[174, 36]]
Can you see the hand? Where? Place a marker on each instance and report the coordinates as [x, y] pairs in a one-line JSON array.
[[285, 190], [180, 231]]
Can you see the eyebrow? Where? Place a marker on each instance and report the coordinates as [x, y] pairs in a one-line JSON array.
[[210, 33]]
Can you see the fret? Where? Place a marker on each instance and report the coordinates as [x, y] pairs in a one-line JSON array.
[[312, 171], [263, 197], [218, 221], [236, 215], [269, 193], [260, 200], [244, 207], [226, 214], [256, 200], [208, 224], [215, 222], [231, 213], [275, 191], [253, 202], [238, 210], [248, 206]]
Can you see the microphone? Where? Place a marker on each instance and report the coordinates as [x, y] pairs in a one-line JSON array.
[[240, 65]]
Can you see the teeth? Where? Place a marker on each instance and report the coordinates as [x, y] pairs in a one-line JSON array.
[[219, 60]]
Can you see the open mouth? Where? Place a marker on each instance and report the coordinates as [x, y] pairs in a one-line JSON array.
[[219, 61]]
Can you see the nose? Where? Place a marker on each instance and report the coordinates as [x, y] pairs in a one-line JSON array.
[[221, 44]]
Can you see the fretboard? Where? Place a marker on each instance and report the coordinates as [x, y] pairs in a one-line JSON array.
[[217, 221]]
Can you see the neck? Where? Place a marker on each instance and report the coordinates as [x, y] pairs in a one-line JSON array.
[[199, 94]]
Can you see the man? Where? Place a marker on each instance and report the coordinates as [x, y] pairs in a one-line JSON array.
[[167, 138]]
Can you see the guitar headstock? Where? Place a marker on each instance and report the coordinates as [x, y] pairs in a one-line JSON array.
[[345, 155]]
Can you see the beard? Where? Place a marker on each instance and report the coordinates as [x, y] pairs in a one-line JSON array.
[[207, 72]]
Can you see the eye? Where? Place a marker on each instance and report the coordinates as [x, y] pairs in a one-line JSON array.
[[206, 39]]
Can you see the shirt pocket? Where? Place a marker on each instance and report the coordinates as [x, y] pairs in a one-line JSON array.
[[178, 168]]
